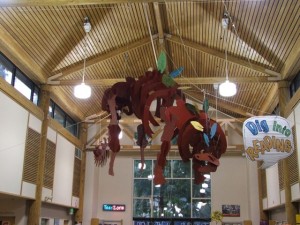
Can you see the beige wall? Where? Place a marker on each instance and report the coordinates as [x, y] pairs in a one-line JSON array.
[[235, 182]]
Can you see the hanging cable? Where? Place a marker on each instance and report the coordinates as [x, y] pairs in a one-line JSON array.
[[148, 24]]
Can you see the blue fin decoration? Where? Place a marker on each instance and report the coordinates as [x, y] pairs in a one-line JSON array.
[[206, 139], [213, 130], [177, 72]]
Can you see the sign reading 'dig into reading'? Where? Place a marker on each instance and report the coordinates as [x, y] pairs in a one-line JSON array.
[[268, 139]]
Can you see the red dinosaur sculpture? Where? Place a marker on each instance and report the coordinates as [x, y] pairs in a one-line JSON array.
[[206, 138]]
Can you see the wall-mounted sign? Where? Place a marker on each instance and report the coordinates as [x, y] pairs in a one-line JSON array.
[[113, 207], [267, 138]]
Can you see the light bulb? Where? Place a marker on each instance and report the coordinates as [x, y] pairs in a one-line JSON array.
[[227, 89], [82, 91]]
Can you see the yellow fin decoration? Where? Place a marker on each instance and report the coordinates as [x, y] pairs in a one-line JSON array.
[[197, 125]]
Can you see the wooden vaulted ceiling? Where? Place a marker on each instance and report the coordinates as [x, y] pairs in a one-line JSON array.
[[46, 40]]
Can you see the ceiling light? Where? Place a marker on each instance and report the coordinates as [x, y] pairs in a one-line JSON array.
[[202, 190], [226, 89], [82, 90]]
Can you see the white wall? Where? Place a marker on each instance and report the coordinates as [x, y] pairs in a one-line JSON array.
[[63, 172], [13, 120]]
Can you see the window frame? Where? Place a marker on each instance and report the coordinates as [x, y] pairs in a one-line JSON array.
[[171, 178]]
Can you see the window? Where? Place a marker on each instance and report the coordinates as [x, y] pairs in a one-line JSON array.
[[18, 79], [6, 69], [63, 118], [295, 84], [179, 197]]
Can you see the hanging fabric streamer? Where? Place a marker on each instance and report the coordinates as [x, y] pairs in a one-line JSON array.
[[268, 139]]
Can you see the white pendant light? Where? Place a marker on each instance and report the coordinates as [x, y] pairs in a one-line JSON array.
[[82, 90], [226, 89]]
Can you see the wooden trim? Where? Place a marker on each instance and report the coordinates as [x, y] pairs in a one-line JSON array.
[[64, 132], [292, 103], [181, 81], [15, 95]]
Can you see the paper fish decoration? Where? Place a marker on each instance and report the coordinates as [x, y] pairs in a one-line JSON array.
[[177, 72], [162, 62], [268, 139]]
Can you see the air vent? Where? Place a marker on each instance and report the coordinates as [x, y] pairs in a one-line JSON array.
[[49, 165], [33, 144]]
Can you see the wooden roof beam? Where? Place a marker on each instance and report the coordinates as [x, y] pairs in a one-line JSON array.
[[92, 61], [221, 55], [180, 80]]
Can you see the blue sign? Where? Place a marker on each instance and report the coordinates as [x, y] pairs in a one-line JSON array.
[[113, 207]]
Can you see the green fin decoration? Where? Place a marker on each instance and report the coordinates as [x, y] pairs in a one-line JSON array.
[[192, 108], [168, 81], [162, 62], [205, 105]]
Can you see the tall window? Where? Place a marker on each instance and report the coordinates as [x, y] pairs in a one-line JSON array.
[[179, 197], [14, 76]]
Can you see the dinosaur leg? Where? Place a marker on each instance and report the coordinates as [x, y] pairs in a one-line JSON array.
[[111, 164], [161, 163]]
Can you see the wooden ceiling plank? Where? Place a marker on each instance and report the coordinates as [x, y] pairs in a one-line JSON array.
[[93, 61], [291, 62], [221, 104], [219, 54], [20, 57], [268, 100], [25, 3]]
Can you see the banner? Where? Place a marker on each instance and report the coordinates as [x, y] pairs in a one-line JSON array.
[[268, 139]]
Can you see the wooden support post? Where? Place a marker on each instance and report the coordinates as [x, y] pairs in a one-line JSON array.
[[290, 209], [83, 139], [35, 207], [262, 213]]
